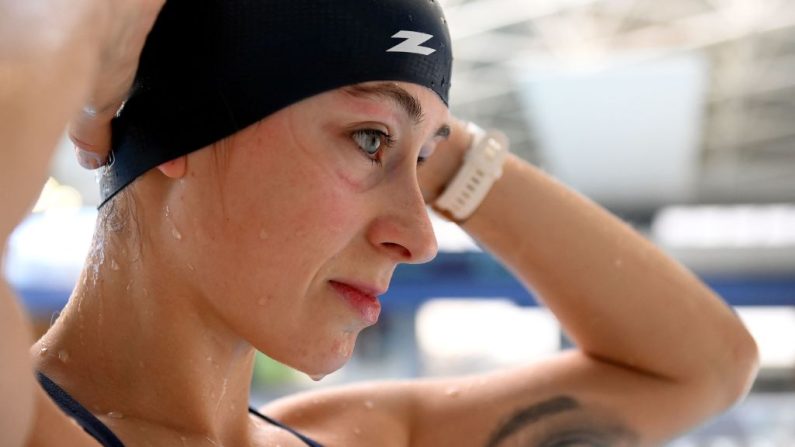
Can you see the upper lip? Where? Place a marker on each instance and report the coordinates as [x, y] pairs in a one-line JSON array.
[[365, 288]]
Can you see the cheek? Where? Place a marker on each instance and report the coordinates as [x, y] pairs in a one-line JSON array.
[[283, 202]]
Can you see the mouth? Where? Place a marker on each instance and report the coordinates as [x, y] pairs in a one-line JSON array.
[[363, 299]]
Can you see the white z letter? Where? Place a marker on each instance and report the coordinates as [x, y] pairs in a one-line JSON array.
[[413, 43]]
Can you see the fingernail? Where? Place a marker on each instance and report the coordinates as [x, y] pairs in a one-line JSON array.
[[88, 159]]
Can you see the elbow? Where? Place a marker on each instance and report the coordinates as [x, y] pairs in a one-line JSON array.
[[748, 358], [739, 368]]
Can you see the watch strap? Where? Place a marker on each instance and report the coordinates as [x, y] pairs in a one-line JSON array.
[[482, 167]]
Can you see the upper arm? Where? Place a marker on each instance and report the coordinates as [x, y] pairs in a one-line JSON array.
[[568, 400], [16, 380], [571, 399]]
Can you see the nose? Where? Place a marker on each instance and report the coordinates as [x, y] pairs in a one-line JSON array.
[[403, 228]]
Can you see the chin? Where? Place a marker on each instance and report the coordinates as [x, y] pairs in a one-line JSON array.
[[320, 359]]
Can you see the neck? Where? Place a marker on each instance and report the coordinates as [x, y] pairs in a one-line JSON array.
[[134, 344]]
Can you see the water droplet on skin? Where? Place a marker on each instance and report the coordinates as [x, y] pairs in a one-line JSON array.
[[114, 265], [453, 391], [618, 263], [191, 268], [357, 431], [168, 211], [177, 235], [369, 404], [317, 377], [115, 415], [43, 351], [63, 356], [263, 234], [261, 301]]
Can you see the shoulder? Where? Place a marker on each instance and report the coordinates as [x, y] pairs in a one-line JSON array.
[[367, 414]]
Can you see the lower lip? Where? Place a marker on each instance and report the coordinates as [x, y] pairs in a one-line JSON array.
[[366, 305]]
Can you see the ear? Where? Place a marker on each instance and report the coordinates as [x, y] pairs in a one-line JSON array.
[[176, 168]]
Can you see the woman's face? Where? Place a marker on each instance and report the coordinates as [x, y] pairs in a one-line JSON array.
[[289, 233]]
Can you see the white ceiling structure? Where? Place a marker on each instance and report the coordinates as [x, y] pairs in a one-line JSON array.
[[637, 103]]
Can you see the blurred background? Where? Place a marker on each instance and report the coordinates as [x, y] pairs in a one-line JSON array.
[[676, 115]]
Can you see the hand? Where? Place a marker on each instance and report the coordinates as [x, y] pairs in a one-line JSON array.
[[440, 168], [129, 22]]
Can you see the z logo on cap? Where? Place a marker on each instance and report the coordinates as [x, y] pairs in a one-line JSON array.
[[412, 44]]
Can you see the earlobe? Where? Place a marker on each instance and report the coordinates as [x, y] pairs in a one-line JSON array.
[[176, 168]]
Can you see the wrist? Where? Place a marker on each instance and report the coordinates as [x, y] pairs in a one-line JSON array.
[[481, 168], [437, 172]]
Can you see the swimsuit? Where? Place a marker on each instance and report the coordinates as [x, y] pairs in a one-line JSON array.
[[103, 434]]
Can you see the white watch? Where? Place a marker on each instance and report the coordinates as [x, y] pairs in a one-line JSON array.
[[481, 168]]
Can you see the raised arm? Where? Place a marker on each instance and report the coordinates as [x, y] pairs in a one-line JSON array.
[[55, 55], [656, 348], [46, 59]]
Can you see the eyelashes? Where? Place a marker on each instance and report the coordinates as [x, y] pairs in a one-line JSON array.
[[373, 142]]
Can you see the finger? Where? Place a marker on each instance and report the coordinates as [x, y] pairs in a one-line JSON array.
[[90, 133], [90, 129]]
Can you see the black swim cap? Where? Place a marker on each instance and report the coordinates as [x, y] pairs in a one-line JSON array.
[[213, 67]]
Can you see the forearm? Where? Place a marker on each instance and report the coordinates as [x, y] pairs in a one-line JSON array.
[[49, 51], [618, 297], [48, 54]]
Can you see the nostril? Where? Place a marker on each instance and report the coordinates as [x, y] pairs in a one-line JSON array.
[[402, 251]]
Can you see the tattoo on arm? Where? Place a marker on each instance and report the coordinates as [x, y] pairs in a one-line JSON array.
[[599, 431]]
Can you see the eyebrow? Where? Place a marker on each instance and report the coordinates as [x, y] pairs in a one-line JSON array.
[[532, 414], [405, 100]]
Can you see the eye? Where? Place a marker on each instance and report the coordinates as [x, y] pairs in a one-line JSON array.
[[371, 142]]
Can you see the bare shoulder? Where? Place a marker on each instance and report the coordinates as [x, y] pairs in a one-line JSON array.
[[367, 414], [568, 400]]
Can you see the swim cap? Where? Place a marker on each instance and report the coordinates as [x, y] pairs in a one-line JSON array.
[[210, 68]]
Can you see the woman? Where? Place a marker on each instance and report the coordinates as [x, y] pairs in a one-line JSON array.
[[265, 203]]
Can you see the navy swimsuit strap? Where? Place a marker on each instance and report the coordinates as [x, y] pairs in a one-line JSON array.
[[102, 433], [308, 441], [73, 409]]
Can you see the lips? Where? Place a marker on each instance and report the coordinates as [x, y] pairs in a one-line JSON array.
[[363, 299]]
